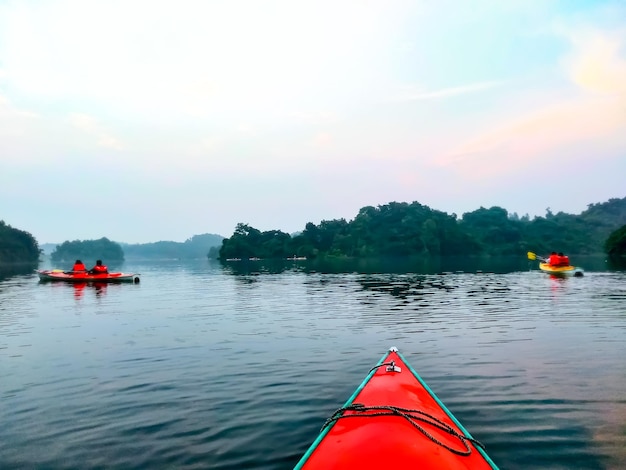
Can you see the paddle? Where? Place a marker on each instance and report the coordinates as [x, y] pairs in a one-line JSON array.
[[533, 256]]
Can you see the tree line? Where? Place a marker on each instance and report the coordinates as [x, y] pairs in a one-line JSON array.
[[194, 247], [394, 229], [615, 245], [17, 246], [86, 250], [409, 229]]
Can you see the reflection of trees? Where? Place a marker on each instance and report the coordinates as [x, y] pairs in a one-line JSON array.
[[414, 286], [9, 270], [247, 267], [405, 265], [617, 263]]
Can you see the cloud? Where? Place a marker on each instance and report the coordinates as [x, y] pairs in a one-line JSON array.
[[313, 117], [596, 64], [16, 126], [8, 109], [453, 91], [594, 112], [91, 126], [198, 60], [526, 141], [322, 140]]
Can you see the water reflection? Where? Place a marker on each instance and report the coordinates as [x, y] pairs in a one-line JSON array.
[[99, 288], [418, 265], [189, 362], [247, 267], [616, 263], [9, 270], [79, 289], [403, 286]]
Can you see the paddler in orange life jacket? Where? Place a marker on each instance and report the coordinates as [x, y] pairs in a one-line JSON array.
[[79, 267], [99, 268], [554, 259], [563, 260]]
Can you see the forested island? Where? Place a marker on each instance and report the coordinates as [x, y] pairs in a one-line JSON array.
[[615, 245], [113, 252], [17, 246], [88, 251], [413, 229], [393, 229], [195, 247]]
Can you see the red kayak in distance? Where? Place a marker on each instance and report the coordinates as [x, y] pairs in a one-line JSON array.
[[394, 421], [59, 275]]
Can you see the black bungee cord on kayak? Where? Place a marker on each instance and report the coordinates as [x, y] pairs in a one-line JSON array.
[[412, 416], [391, 367]]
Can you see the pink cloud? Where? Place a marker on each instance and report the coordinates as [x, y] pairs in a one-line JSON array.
[[596, 114]]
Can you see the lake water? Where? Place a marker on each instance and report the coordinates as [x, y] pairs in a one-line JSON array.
[[231, 367]]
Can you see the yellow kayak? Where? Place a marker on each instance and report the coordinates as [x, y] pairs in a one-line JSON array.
[[565, 271]]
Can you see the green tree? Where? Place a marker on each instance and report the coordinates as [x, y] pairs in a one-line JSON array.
[[249, 242], [403, 229], [494, 230], [305, 244], [615, 245], [85, 250], [195, 247], [17, 246]]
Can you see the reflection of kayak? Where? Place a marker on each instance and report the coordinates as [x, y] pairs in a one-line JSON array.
[[565, 271], [394, 421], [79, 287], [58, 275]]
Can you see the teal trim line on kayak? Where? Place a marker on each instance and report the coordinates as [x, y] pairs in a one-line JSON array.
[[326, 430], [447, 411]]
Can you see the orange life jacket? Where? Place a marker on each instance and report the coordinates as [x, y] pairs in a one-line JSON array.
[[102, 269], [563, 260], [554, 260], [79, 267]]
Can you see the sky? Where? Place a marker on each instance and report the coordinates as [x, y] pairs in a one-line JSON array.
[[142, 121]]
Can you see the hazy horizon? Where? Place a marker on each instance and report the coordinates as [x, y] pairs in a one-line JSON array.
[[300, 230]]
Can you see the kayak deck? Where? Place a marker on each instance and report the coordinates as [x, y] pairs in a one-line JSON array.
[[561, 270], [58, 275], [394, 420]]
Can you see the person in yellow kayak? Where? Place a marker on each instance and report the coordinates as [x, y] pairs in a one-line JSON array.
[[563, 260], [558, 259], [99, 268], [554, 259]]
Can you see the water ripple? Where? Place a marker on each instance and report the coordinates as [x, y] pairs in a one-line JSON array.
[[217, 370]]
